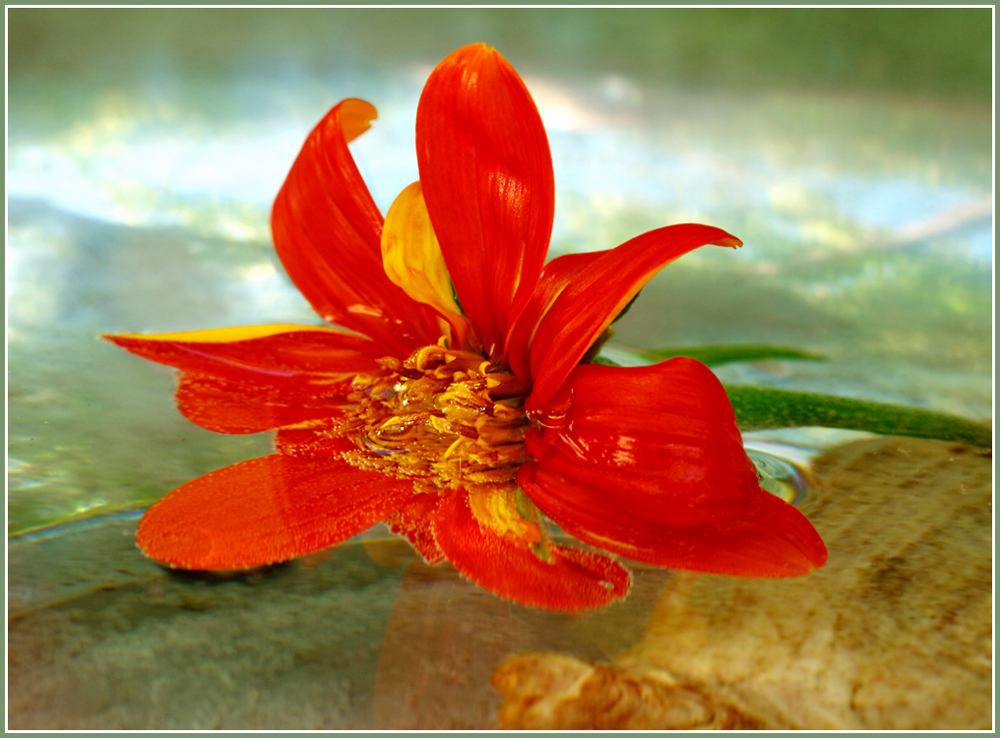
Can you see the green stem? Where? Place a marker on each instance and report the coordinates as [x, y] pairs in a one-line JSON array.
[[762, 407]]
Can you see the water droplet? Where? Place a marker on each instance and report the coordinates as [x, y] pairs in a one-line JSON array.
[[779, 476]]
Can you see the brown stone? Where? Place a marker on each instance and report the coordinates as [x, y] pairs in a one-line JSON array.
[[895, 632], [549, 691]]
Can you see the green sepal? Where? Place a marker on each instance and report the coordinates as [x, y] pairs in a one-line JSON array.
[[758, 408]]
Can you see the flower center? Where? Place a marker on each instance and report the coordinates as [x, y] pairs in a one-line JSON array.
[[443, 415]]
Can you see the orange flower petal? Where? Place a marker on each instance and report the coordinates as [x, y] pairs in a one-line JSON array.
[[256, 378], [596, 295], [237, 406], [327, 232], [648, 463], [264, 511], [413, 520], [314, 439], [570, 579], [486, 173], [260, 351]]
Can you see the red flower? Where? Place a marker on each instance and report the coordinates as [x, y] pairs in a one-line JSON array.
[[457, 417]]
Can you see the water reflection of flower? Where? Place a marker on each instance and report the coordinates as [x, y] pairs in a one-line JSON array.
[[459, 405]]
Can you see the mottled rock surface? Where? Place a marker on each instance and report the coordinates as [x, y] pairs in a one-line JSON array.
[[554, 691], [894, 633]]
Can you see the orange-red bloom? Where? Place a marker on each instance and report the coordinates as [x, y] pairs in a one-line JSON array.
[[458, 417]]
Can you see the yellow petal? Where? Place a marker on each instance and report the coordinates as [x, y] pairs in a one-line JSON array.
[[227, 335], [411, 254], [497, 508]]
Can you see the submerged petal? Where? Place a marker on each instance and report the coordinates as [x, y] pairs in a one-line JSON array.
[[327, 232], [594, 295], [264, 511], [648, 463], [413, 521], [322, 438], [570, 579], [228, 405], [486, 173]]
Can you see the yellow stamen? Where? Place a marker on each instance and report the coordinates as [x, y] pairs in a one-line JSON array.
[[443, 415]]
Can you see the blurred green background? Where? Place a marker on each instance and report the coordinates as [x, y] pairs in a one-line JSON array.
[[939, 52]]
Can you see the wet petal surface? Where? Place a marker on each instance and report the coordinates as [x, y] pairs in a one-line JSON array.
[[596, 293], [648, 463]]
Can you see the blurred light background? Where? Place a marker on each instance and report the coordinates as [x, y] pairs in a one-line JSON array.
[[849, 148]]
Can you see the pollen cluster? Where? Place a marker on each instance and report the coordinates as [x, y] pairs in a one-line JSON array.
[[450, 417]]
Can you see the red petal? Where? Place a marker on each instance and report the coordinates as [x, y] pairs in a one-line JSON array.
[[250, 406], [265, 510], [278, 352], [256, 378], [327, 232], [556, 276], [320, 439], [648, 463], [570, 580], [413, 520], [487, 178], [598, 293]]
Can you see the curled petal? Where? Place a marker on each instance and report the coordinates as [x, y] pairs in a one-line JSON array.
[[556, 276], [570, 579], [597, 293], [648, 463], [486, 173], [327, 232], [264, 511]]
